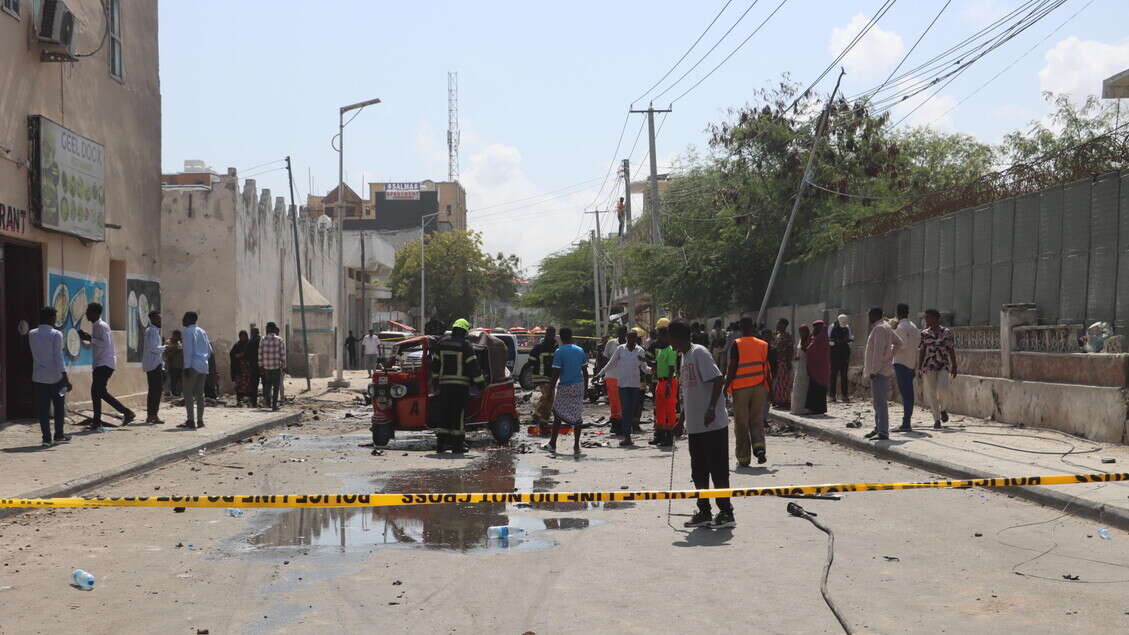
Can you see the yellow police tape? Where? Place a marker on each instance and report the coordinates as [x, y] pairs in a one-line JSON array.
[[393, 500]]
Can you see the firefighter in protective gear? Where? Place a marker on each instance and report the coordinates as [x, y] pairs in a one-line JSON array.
[[456, 365], [541, 357], [747, 379]]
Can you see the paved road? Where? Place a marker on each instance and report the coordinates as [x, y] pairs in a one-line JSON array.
[[924, 561]]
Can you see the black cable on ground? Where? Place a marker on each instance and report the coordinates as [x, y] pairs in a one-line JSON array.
[[799, 512]]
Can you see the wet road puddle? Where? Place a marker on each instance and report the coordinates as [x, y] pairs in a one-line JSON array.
[[449, 527]]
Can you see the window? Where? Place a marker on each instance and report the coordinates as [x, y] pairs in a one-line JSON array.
[[114, 22], [11, 7]]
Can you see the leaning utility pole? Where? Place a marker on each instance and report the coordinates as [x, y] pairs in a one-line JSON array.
[[820, 128], [627, 228], [598, 273], [656, 228], [298, 266], [365, 322]]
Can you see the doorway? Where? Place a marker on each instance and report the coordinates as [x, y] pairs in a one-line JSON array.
[[21, 297]]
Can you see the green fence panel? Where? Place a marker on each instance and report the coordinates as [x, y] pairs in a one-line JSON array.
[[946, 263], [916, 263], [1048, 280], [1025, 248], [962, 270], [1075, 252], [1101, 288], [1003, 221], [931, 230], [981, 265], [1122, 315]]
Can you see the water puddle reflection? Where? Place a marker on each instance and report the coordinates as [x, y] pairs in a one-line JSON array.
[[452, 527]]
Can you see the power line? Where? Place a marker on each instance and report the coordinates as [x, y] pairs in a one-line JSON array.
[[529, 198], [707, 54], [732, 53], [1017, 60], [914, 47], [615, 158], [671, 69]]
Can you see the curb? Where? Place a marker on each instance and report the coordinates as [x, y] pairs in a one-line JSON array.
[[148, 463], [1075, 505]]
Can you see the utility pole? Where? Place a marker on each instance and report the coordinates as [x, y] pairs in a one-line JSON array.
[[627, 225], [298, 267], [656, 229], [820, 128], [365, 323], [598, 277], [423, 272]]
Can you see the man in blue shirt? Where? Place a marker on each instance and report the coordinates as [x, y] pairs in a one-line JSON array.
[[49, 381], [568, 382], [197, 350]]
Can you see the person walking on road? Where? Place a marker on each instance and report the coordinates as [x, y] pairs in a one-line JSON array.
[[878, 365], [706, 421], [370, 347], [153, 365], [272, 361], [610, 381], [457, 367], [101, 340], [49, 383], [568, 380], [351, 350], [905, 364], [197, 351], [625, 365], [785, 347], [841, 338], [938, 364], [541, 356], [748, 378], [819, 369]]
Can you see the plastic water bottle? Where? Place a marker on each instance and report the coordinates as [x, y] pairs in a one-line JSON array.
[[234, 512], [83, 580], [1104, 533], [504, 532]]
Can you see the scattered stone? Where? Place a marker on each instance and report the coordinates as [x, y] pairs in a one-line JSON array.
[[396, 583], [201, 631], [1067, 576], [1109, 460], [178, 510], [892, 558], [978, 535], [179, 545]]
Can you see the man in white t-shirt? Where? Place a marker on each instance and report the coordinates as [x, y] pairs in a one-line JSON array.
[[624, 366], [707, 426], [370, 348], [610, 381]]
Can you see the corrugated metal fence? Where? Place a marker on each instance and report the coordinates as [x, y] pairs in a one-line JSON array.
[[1065, 248]]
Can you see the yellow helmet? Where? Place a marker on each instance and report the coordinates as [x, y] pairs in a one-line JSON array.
[[461, 324], [640, 332], [662, 323]]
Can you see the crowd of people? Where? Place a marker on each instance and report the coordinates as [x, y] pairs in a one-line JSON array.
[[183, 364]]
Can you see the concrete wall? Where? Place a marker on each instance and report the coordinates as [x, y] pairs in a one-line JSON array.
[[125, 117], [228, 253]]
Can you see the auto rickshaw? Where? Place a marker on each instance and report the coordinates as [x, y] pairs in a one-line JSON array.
[[403, 395]]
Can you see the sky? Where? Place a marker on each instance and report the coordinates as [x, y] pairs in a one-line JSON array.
[[544, 88]]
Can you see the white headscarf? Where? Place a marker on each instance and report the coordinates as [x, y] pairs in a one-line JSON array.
[[842, 319]]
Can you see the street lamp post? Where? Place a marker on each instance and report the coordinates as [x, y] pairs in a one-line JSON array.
[[339, 380], [423, 273]]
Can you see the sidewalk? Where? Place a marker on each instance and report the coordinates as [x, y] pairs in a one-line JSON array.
[[970, 447], [91, 459]]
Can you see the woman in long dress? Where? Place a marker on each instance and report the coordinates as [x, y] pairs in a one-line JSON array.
[[241, 369], [819, 368], [800, 375], [784, 347]]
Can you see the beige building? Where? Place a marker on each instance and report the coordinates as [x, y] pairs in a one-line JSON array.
[[80, 183]]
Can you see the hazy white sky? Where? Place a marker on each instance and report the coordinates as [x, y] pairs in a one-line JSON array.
[[544, 88]]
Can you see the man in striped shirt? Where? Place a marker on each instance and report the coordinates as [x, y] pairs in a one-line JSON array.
[[272, 361]]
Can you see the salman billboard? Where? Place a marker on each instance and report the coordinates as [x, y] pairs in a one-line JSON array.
[[69, 181]]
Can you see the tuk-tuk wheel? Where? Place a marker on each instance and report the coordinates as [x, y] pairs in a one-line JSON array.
[[503, 428], [525, 378], [382, 433]]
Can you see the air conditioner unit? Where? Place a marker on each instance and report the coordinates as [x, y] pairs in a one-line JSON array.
[[57, 26]]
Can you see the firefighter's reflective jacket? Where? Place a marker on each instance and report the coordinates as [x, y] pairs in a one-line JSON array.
[[455, 363]]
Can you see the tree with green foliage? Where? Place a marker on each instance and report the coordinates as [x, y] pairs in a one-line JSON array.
[[563, 285], [459, 274]]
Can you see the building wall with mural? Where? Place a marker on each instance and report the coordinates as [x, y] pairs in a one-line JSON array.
[[80, 190]]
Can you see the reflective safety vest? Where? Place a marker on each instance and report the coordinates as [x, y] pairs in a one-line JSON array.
[[455, 362], [752, 363], [543, 362]]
